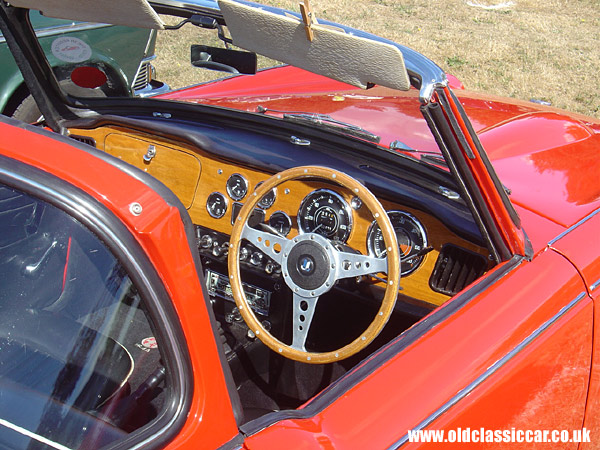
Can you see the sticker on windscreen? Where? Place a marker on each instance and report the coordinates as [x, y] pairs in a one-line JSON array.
[[71, 49], [147, 344]]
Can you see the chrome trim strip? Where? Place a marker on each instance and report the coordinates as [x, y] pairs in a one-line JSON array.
[[32, 435], [210, 5], [572, 227], [491, 370], [152, 89], [151, 35], [84, 26], [595, 285]]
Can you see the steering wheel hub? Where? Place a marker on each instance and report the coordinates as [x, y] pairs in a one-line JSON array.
[[308, 267]]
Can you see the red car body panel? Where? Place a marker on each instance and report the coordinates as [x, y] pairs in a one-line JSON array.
[[462, 353], [585, 254], [159, 230]]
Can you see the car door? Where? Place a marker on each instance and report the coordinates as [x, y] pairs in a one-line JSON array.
[[103, 313], [512, 353], [581, 244]]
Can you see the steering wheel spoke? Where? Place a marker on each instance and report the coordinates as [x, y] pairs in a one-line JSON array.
[[304, 309], [270, 244], [354, 265]]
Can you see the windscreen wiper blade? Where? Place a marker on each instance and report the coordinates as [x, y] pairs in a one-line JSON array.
[[325, 121]]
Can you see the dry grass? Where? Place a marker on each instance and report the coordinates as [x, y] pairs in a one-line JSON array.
[[542, 49]]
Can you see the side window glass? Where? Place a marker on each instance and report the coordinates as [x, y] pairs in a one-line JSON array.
[[79, 364]]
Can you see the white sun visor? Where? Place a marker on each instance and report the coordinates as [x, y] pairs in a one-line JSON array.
[[332, 52], [132, 13]]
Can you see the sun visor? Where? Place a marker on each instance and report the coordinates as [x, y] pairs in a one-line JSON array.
[[132, 13], [332, 52]]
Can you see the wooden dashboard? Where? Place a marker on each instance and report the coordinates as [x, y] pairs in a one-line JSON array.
[[193, 175]]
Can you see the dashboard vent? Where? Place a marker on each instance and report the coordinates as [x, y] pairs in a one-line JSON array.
[[455, 268], [85, 139]]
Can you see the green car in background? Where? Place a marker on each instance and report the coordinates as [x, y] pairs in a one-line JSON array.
[[89, 59]]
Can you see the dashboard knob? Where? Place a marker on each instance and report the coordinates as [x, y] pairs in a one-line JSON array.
[[244, 253], [205, 241], [267, 325], [234, 316], [256, 258], [269, 268], [217, 250]]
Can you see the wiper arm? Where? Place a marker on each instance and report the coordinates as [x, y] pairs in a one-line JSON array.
[[325, 121], [433, 157]]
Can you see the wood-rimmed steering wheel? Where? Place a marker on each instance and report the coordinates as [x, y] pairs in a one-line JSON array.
[[311, 265]]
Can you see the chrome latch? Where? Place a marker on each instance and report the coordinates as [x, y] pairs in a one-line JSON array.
[[299, 141], [150, 153]]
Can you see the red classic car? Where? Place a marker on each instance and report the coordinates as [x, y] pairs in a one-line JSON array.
[[347, 251]]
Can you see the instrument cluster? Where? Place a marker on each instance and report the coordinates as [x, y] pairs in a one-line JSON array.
[[326, 212]]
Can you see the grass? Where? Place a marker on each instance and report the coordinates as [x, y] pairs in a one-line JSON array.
[[531, 50]]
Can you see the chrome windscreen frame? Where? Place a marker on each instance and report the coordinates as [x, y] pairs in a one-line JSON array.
[[424, 74]]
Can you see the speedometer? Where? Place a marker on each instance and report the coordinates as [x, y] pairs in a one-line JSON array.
[[325, 212], [411, 237]]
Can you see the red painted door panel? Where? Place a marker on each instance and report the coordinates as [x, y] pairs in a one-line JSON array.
[[581, 246], [543, 387], [516, 354]]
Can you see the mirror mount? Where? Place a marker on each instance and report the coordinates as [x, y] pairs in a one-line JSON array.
[[223, 59]]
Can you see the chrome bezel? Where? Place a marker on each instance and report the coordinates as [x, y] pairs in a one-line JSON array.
[[229, 188], [267, 205], [420, 228], [287, 217], [344, 203], [211, 214]]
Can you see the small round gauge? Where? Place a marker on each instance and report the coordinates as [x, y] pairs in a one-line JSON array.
[[326, 213], [237, 186], [216, 205], [281, 222], [411, 237], [268, 199]]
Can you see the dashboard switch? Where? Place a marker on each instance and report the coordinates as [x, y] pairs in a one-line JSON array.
[[256, 258], [205, 241]]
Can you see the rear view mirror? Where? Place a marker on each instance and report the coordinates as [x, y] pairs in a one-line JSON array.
[[223, 59]]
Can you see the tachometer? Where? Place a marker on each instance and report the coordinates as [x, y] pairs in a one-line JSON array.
[[325, 212], [411, 237]]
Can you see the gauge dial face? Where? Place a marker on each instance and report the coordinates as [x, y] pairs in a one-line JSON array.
[[268, 199], [237, 186], [326, 213], [216, 205], [281, 222], [411, 237]]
